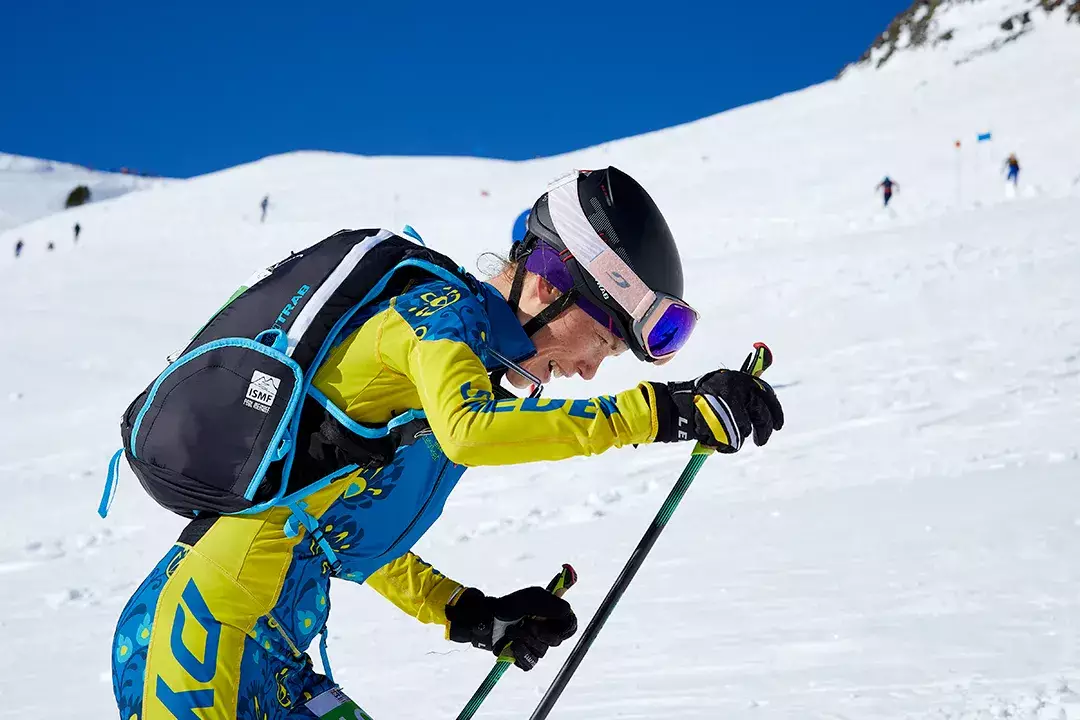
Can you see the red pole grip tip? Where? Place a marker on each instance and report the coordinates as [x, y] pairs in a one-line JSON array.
[[767, 352], [562, 582]]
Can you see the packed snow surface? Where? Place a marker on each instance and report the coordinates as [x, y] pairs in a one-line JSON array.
[[905, 547]]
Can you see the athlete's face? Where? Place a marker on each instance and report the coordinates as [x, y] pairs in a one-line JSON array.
[[571, 344]]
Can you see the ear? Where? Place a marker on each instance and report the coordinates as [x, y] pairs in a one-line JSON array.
[[545, 291]]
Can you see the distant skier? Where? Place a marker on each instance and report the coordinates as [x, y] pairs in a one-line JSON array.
[[264, 204], [51, 246], [78, 229], [18, 247], [886, 186], [222, 626], [1013, 166]]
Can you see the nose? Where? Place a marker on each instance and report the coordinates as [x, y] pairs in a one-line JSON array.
[[587, 370]]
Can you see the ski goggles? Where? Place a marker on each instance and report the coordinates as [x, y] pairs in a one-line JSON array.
[[665, 327], [660, 324]]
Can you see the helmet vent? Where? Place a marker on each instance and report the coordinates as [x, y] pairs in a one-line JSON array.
[[608, 195], [599, 220]]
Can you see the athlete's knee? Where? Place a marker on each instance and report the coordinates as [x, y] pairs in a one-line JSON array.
[[183, 675], [196, 649]]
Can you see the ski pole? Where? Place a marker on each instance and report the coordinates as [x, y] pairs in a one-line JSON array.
[[558, 586], [756, 363]]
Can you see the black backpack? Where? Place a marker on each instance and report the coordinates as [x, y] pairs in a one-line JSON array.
[[229, 426]]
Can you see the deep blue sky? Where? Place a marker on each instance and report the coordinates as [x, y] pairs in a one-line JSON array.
[[183, 88]]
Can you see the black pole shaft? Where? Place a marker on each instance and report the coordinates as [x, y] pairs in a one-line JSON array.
[[615, 593], [756, 363]]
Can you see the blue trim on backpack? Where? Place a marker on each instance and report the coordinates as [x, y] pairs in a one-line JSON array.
[[110, 484], [317, 362], [214, 345], [338, 414], [281, 444], [362, 430], [324, 654], [411, 232], [436, 270], [281, 340], [301, 493]]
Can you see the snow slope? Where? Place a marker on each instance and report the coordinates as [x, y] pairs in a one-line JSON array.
[[904, 548], [32, 188]]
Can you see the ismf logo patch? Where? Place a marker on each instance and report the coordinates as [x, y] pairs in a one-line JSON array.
[[261, 391]]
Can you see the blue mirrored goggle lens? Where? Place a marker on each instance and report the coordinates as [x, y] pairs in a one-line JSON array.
[[671, 331]]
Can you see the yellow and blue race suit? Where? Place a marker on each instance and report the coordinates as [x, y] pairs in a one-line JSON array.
[[221, 626]]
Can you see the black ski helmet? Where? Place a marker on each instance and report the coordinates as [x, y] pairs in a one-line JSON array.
[[625, 217]]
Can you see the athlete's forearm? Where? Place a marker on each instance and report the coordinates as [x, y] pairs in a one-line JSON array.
[[473, 428], [415, 587]]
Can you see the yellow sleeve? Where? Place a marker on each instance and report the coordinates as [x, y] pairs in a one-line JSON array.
[[417, 588], [473, 428]]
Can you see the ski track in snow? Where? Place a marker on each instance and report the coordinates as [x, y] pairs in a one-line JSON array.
[[904, 548]]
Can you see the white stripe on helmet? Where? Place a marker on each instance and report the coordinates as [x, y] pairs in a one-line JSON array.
[[601, 262]]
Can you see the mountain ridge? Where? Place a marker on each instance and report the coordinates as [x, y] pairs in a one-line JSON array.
[[927, 23]]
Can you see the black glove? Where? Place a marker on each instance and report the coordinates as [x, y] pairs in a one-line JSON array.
[[718, 409], [533, 619]]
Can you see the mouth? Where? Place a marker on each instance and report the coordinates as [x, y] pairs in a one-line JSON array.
[[554, 371]]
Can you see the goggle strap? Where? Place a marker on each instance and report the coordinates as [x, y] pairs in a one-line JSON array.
[[520, 253], [551, 312], [517, 286]]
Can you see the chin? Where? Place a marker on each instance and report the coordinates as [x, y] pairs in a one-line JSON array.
[[518, 381]]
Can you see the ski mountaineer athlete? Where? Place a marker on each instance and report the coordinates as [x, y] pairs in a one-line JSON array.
[[886, 186], [221, 626]]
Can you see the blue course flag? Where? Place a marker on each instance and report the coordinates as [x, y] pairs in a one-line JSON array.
[[983, 137]]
